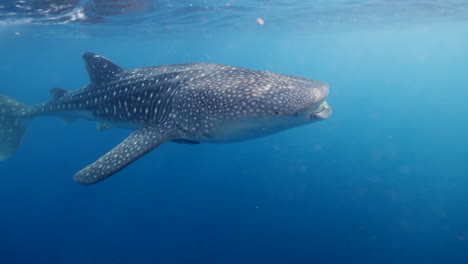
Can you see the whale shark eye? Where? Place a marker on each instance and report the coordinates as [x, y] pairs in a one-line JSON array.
[[276, 113]]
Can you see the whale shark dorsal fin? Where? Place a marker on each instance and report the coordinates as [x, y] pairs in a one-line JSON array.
[[57, 93], [139, 143], [99, 68]]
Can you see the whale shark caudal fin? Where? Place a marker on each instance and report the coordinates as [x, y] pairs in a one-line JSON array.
[[14, 119], [136, 145]]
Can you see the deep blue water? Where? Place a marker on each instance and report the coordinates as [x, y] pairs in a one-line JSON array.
[[383, 180]]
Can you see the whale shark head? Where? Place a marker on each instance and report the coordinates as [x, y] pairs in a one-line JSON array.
[[302, 99], [252, 104], [297, 102]]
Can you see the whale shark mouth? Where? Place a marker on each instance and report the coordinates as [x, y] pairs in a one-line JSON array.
[[323, 111]]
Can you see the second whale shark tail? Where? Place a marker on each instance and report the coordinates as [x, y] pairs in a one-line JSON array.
[[14, 119]]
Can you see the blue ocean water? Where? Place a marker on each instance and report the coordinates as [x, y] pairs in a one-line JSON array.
[[383, 180]]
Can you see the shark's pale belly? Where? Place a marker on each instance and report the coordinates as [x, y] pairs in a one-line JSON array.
[[241, 130]]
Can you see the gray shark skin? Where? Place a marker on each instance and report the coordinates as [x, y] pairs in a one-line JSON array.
[[184, 103]]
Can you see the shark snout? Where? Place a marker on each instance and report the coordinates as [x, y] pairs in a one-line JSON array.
[[323, 111]]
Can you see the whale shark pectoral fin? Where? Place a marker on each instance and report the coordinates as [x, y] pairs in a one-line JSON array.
[[136, 145]]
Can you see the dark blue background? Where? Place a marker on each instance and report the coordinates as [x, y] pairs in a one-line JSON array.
[[384, 180]]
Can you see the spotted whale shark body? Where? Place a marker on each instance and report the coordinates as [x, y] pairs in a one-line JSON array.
[[185, 103]]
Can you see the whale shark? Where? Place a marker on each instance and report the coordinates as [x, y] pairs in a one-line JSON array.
[[188, 103]]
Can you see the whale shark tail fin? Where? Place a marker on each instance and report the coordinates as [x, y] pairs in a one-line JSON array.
[[14, 119]]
